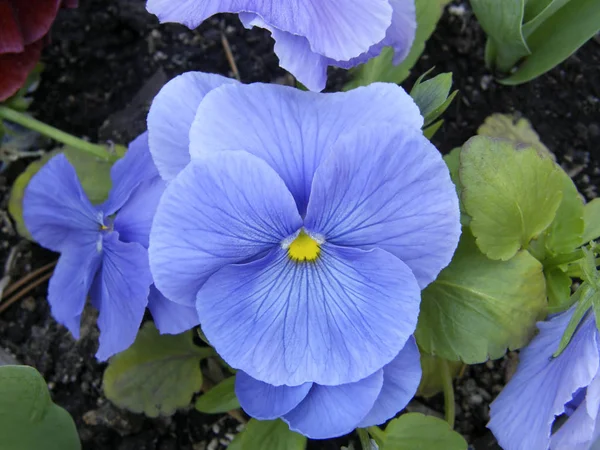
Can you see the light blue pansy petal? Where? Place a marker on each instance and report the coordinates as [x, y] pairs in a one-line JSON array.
[[120, 293], [264, 401], [293, 130], [299, 322], [388, 188], [220, 210], [56, 211], [134, 219], [401, 379], [129, 172], [71, 282], [523, 414], [338, 29], [171, 317], [171, 116], [331, 411]]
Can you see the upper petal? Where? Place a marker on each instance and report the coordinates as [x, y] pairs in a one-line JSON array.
[[388, 188], [120, 293], [338, 29], [171, 116], [11, 39], [401, 378], [290, 129], [56, 211], [264, 401], [299, 322], [35, 18], [523, 414], [222, 209], [331, 411], [171, 317]]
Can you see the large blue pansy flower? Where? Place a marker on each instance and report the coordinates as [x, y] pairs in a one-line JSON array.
[[311, 35], [544, 388], [103, 248], [302, 226]]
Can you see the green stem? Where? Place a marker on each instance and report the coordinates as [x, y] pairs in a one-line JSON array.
[[378, 434], [448, 393], [365, 440], [53, 133]]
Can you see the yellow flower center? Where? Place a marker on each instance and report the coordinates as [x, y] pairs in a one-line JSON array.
[[304, 248]]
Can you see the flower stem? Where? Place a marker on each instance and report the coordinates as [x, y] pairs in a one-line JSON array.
[[448, 393], [365, 440], [24, 120], [378, 434]]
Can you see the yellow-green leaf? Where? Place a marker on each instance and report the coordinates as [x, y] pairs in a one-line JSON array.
[[219, 399], [269, 435], [431, 380], [415, 431]]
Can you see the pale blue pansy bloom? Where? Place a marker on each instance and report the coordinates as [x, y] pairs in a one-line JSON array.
[[311, 35], [302, 226], [103, 249]]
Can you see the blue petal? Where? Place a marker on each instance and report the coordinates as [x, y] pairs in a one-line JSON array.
[[264, 401], [171, 317], [339, 29], [293, 130], [523, 414], [129, 172], [220, 210], [71, 282], [388, 188], [299, 322], [56, 211], [120, 293], [401, 379], [134, 219], [331, 411], [171, 116]]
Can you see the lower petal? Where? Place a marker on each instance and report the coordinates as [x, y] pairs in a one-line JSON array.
[[171, 317], [120, 293], [331, 411], [401, 379], [298, 322], [264, 401]]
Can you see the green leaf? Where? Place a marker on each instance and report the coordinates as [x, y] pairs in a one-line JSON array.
[[558, 288], [478, 307], [156, 375], [382, 68], [415, 431], [511, 195], [514, 129], [566, 230], [538, 11], [585, 295], [591, 220], [452, 160], [502, 21], [28, 418], [431, 96], [431, 380], [558, 38], [269, 435], [219, 399], [93, 173], [430, 131]]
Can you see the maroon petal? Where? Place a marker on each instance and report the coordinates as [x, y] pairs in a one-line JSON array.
[[35, 17], [70, 3], [11, 40], [15, 67]]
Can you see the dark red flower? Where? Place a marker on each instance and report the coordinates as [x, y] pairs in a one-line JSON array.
[[23, 25]]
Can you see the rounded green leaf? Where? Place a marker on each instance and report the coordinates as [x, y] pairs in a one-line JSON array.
[[219, 399], [478, 307], [591, 219], [511, 194], [156, 375], [558, 285], [269, 435], [28, 418], [415, 431]]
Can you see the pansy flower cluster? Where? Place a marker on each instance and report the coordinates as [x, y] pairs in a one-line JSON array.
[[298, 228]]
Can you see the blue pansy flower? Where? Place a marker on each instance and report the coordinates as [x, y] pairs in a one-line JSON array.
[[311, 35], [103, 249], [303, 227], [523, 416]]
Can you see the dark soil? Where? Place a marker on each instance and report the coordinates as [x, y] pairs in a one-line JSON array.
[[108, 59]]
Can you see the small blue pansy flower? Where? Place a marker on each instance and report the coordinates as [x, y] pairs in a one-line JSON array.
[[543, 388], [103, 249], [302, 226], [311, 35]]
